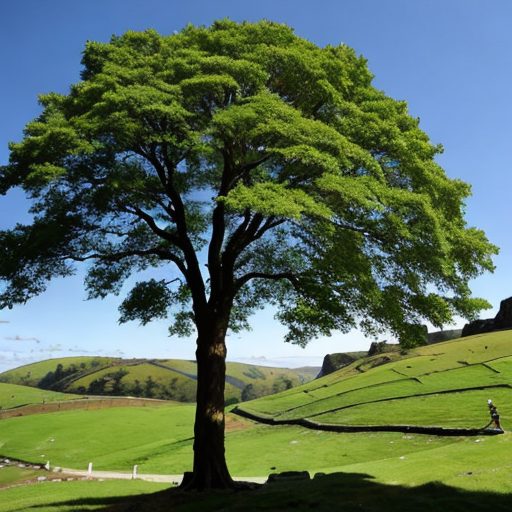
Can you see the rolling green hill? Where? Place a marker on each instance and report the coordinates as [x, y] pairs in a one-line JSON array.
[[168, 379], [445, 385]]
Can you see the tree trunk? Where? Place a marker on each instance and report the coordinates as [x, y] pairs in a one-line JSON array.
[[210, 469]]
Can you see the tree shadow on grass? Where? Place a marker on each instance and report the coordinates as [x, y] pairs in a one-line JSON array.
[[324, 493], [81, 504]]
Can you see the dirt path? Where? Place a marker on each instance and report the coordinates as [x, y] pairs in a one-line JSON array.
[[172, 479]]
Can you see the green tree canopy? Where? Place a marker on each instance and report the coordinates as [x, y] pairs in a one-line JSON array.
[[257, 169]]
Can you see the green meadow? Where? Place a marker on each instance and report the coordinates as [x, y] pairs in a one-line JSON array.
[[12, 395], [444, 385]]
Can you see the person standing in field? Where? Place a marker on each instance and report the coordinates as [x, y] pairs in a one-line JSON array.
[[495, 417]]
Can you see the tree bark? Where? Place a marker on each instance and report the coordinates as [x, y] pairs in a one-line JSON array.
[[210, 470]]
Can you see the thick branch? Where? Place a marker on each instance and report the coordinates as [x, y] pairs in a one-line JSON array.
[[242, 237], [151, 157], [150, 221], [193, 272], [218, 217], [270, 223], [245, 169], [118, 256], [263, 275]]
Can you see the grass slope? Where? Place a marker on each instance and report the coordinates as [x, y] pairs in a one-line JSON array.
[[31, 374], [444, 385]]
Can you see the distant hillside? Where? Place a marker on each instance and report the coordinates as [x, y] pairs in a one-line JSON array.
[[168, 379], [334, 362]]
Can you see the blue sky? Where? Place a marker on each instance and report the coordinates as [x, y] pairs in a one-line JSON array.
[[451, 60]]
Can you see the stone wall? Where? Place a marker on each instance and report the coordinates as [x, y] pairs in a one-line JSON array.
[[88, 404]]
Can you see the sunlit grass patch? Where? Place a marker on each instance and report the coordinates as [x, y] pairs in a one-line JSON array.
[[12, 395]]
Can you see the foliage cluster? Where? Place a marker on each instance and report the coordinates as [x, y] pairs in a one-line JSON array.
[[247, 148]]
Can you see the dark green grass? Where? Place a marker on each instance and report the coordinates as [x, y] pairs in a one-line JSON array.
[[348, 492], [77, 496]]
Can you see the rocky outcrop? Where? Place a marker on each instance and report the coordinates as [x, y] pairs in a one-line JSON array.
[[380, 347], [440, 336], [503, 320], [333, 362]]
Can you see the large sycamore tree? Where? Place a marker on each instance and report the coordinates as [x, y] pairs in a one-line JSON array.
[[255, 169]]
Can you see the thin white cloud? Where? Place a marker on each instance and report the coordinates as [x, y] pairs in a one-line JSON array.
[[19, 338], [53, 348], [79, 350]]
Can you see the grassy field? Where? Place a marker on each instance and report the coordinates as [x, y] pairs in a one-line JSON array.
[[12, 395], [160, 441], [111, 438], [446, 384], [385, 462], [455, 477]]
